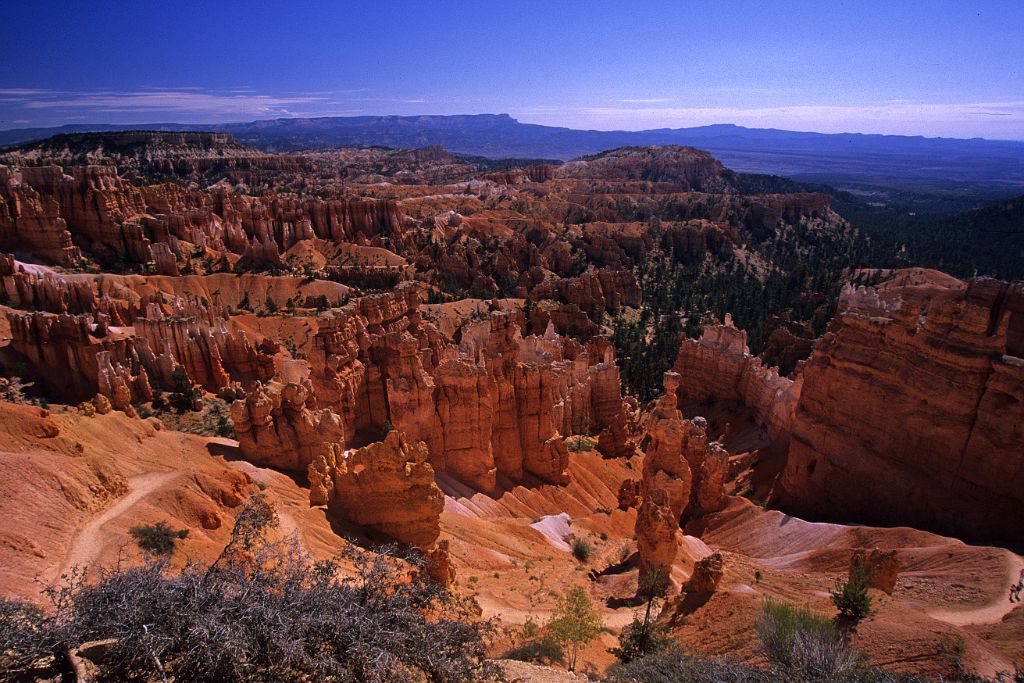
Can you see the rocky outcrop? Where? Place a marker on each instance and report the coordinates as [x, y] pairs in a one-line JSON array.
[[882, 567], [707, 575], [595, 292], [666, 468], [657, 534], [39, 289], [685, 168], [63, 350], [387, 487], [32, 222], [630, 494], [465, 424], [787, 344], [911, 409], [719, 367], [683, 477], [439, 564], [377, 363], [276, 428], [200, 343]]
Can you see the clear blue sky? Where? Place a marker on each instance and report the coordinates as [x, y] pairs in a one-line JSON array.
[[931, 67]]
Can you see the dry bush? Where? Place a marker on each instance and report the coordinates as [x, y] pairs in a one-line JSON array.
[[261, 612]]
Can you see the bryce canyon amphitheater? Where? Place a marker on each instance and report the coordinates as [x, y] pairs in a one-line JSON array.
[[427, 349]]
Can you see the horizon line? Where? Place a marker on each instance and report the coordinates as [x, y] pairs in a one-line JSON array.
[[139, 126]]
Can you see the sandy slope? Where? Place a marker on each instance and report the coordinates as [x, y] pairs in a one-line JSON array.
[[74, 485], [88, 542]]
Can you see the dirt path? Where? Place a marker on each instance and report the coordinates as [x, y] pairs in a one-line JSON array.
[[289, 525], [995, 610], [89, 540]]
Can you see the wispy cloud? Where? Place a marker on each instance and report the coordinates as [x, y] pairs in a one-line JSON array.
[[179, 100], [189, 103], [186, 102]]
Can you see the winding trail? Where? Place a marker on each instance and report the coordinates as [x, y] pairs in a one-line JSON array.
[[89, 540], [289, 525], [992, 612]]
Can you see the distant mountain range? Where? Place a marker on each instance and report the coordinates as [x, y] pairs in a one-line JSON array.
[[851, 160]]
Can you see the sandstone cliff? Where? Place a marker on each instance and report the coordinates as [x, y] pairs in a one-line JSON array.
[[911, 409]]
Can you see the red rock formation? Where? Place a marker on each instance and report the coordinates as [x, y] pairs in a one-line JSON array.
[[665, 466], [31, 222], [25, 287], [683, 473], [376, 362], [595, 291], [657, 531], [707, 574], [719, 367], [63, 349], [439, 564], [202, 345], [883, 568], [387, 487], [465, 422], [276, 428], [630, 494], [787, 344], [911, 409]]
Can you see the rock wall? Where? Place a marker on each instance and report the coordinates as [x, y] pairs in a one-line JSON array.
[[80, 355], [912, 409], [387, 487], [276, 428], [42, 209], [377, 363], [719, 367]]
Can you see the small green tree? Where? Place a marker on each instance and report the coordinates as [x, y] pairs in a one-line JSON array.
[[851, 596], [575, 622]]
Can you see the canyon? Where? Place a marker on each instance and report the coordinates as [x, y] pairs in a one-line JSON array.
[[419, 348]]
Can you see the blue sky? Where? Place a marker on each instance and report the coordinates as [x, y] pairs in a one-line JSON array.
[[931, 67]]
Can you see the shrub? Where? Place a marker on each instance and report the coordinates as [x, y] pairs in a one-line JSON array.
[[953, 649], [24, 638], [540, 650], [674, 666], [222, 425], [263, 612], [804, 642], [641, 638], [581, 444], [157, 539], [581, 549], [851, 596], [185, 395], [644, 637]]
